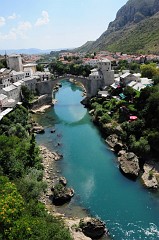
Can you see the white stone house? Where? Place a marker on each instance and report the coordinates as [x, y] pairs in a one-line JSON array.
[[29, 66], [5, 79], [91, 62], [12, 92], [126, 78], [16, 76], [43, 76], [3, 100], [28, 72]]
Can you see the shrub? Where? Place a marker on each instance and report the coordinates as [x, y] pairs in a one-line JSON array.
[[105, 119]]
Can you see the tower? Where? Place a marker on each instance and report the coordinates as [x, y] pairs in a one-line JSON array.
[[14, 62], [108, 75]]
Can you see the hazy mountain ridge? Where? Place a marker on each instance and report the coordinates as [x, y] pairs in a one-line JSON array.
[[135, 29], [27, 51]]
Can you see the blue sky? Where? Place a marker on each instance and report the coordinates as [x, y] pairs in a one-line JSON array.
[[52, 24]]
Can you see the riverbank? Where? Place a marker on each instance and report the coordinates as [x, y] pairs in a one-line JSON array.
[[51, 176], [42, 108], [140, 165]]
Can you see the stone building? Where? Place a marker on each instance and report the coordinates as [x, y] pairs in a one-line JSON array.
[[101, 76], [14, 62], [108, 74]]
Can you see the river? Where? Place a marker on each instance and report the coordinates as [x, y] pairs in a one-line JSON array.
[[129, 210]]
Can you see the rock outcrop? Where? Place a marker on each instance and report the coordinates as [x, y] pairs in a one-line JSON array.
[[129, 164], [149, 177], [114, 143], [38, 129], [62, 194], [63, 181], [92, 227]]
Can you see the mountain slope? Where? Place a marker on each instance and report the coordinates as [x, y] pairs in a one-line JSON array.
[[85, 47], [135, 29]]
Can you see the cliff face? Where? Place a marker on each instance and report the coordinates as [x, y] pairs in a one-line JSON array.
[[134, 11], [135, 29]]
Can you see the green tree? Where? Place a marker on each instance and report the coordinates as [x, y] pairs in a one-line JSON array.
[[156, 79], [129, 92], [140, 147], [149, 70]]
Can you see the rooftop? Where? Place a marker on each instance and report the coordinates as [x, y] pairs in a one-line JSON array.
[[2, 96], [30, 65], [9, 88], [5, 112]]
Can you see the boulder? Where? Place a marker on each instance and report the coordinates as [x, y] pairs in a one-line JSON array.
[[62, 194], [129, 164], [114, 142], [38, 129], [149, 177], [63, 181], [93, 227]]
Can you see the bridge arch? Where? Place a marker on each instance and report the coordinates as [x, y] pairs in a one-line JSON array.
[[91, 86]]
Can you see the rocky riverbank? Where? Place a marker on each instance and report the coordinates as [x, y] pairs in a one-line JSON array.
[[41, 109], [130, 164], [52, 177]]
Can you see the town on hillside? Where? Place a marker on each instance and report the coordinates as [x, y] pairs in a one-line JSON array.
[[105, 70]]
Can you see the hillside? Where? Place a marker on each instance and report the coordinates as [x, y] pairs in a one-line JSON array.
[[85, 47], [135, 29]]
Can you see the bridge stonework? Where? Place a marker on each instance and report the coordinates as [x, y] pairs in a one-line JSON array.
[[91, 85]]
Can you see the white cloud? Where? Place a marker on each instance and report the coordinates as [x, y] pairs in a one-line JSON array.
[[18, 32], [22, 29], [43, 20], [12, 17], [24, 26], [9, 36], [2, 21]]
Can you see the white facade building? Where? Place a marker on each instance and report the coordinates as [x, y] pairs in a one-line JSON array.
[[12, 92]]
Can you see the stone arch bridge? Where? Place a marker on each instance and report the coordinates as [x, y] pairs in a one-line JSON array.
[[91, 85]]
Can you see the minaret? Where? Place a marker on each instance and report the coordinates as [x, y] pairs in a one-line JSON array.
[[6, 58]]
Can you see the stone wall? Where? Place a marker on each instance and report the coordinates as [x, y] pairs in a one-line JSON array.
[[42, 100]]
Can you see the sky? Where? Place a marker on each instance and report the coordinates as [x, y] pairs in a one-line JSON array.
[[54, 24]]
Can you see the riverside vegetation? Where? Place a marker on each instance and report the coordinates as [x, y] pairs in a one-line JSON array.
[[113, 116], [22, 216]]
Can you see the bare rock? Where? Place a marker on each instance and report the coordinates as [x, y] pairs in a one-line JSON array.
[[92, 227], [114, 142], [38, 129], [61, 194], [129, 164], [63, 181], [149, 177]]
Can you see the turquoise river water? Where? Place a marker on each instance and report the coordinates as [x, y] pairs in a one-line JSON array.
[[129, 210]]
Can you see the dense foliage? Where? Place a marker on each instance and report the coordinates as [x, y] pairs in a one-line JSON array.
[[140, 135], [22, 216], [58, 69]]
